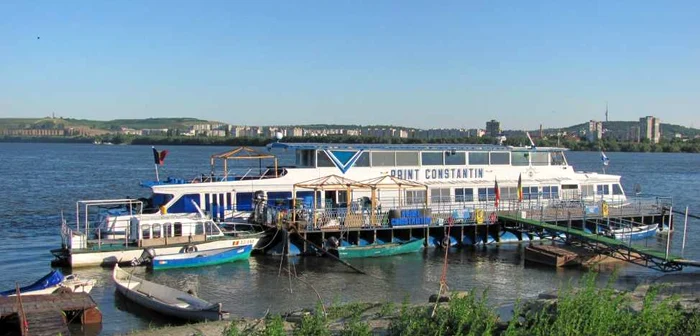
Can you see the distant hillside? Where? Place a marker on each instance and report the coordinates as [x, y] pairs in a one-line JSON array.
[[620, 129], [14, 123]]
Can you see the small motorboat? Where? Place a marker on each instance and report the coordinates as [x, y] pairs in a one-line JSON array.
[[165, 300], [203, 258], [54, 282], [635, 232]]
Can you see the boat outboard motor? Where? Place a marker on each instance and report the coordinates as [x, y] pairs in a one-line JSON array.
[[332, 242], [146, 257], [259, 205]]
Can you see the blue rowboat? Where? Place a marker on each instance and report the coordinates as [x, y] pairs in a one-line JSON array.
[[203, 258]]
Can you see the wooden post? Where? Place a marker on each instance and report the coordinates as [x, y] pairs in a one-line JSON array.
[[373, 206], [294, 203], [21, 316], [685, 230]]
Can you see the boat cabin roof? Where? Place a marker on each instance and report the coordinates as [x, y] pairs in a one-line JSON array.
[[407, 147]]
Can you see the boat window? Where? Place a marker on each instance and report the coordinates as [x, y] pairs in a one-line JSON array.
[[546, 192], [487, 194], [478, 158], [440, 195], [509, 193], [569, 187], [530, 193], [177, 228], [499, 158], [383, 159], [520, 158], [306, 158], [168, 230], [156, 230], [603, 189], [199, 228], [557, 159], [586, 190], [363, 160], [453, 158], [539, 158], [323, 160], [415, 197], [145, 231], [212, 229], [617, 189], [464, 194], [431, 159], [407, 159]]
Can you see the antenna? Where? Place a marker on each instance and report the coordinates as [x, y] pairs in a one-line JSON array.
[[606, 111]]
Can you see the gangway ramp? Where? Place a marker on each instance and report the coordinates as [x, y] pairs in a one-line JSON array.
[[600, 244]]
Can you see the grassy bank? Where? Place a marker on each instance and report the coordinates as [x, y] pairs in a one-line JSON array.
[[583, 309]]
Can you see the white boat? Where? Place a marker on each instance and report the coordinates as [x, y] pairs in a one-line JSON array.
[[634, 232], [455, 173], [54, 282], [84, 245], [166, 300]]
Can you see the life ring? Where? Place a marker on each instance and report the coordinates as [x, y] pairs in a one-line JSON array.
[[493, 217], [188, 249]]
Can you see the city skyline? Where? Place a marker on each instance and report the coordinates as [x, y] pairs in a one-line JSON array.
[[412, 64]]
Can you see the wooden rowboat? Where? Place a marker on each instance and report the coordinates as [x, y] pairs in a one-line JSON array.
[[165, 300]]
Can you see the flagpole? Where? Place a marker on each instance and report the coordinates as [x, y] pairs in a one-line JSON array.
[[156, 161]]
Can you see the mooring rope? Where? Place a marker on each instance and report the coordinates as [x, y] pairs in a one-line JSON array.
[[443, 278]]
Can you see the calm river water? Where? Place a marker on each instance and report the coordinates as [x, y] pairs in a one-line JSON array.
[[40, 180]]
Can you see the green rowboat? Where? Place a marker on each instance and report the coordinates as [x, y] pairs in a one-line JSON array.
[[379, 250]]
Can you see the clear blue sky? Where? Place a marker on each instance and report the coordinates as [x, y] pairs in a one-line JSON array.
[[411, 63]]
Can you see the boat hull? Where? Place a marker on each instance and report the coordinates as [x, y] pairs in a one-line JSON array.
[[85, 258], [165, 300], [636, 233], [349, 252], [199, 259]]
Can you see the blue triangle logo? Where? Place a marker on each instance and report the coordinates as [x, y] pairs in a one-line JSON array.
[[344, 159]]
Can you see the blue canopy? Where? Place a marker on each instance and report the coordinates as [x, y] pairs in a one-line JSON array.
[[52, 279]]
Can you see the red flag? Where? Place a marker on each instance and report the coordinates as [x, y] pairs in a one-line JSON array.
[[520, 188], [159, 157], [497, 193]]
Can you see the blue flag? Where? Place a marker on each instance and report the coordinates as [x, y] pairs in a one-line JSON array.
[[604, 158]]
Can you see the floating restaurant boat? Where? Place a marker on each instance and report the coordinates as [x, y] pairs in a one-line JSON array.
[[201, 258], [83, 245], [54, 282], [378, 250], [635, 232], [165, 300], [454, 173]]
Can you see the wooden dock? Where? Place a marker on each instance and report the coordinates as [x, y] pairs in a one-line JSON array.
[[50, 314]]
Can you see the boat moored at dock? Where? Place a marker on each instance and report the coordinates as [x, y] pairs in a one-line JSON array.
[[453, 173], [82, 245]]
